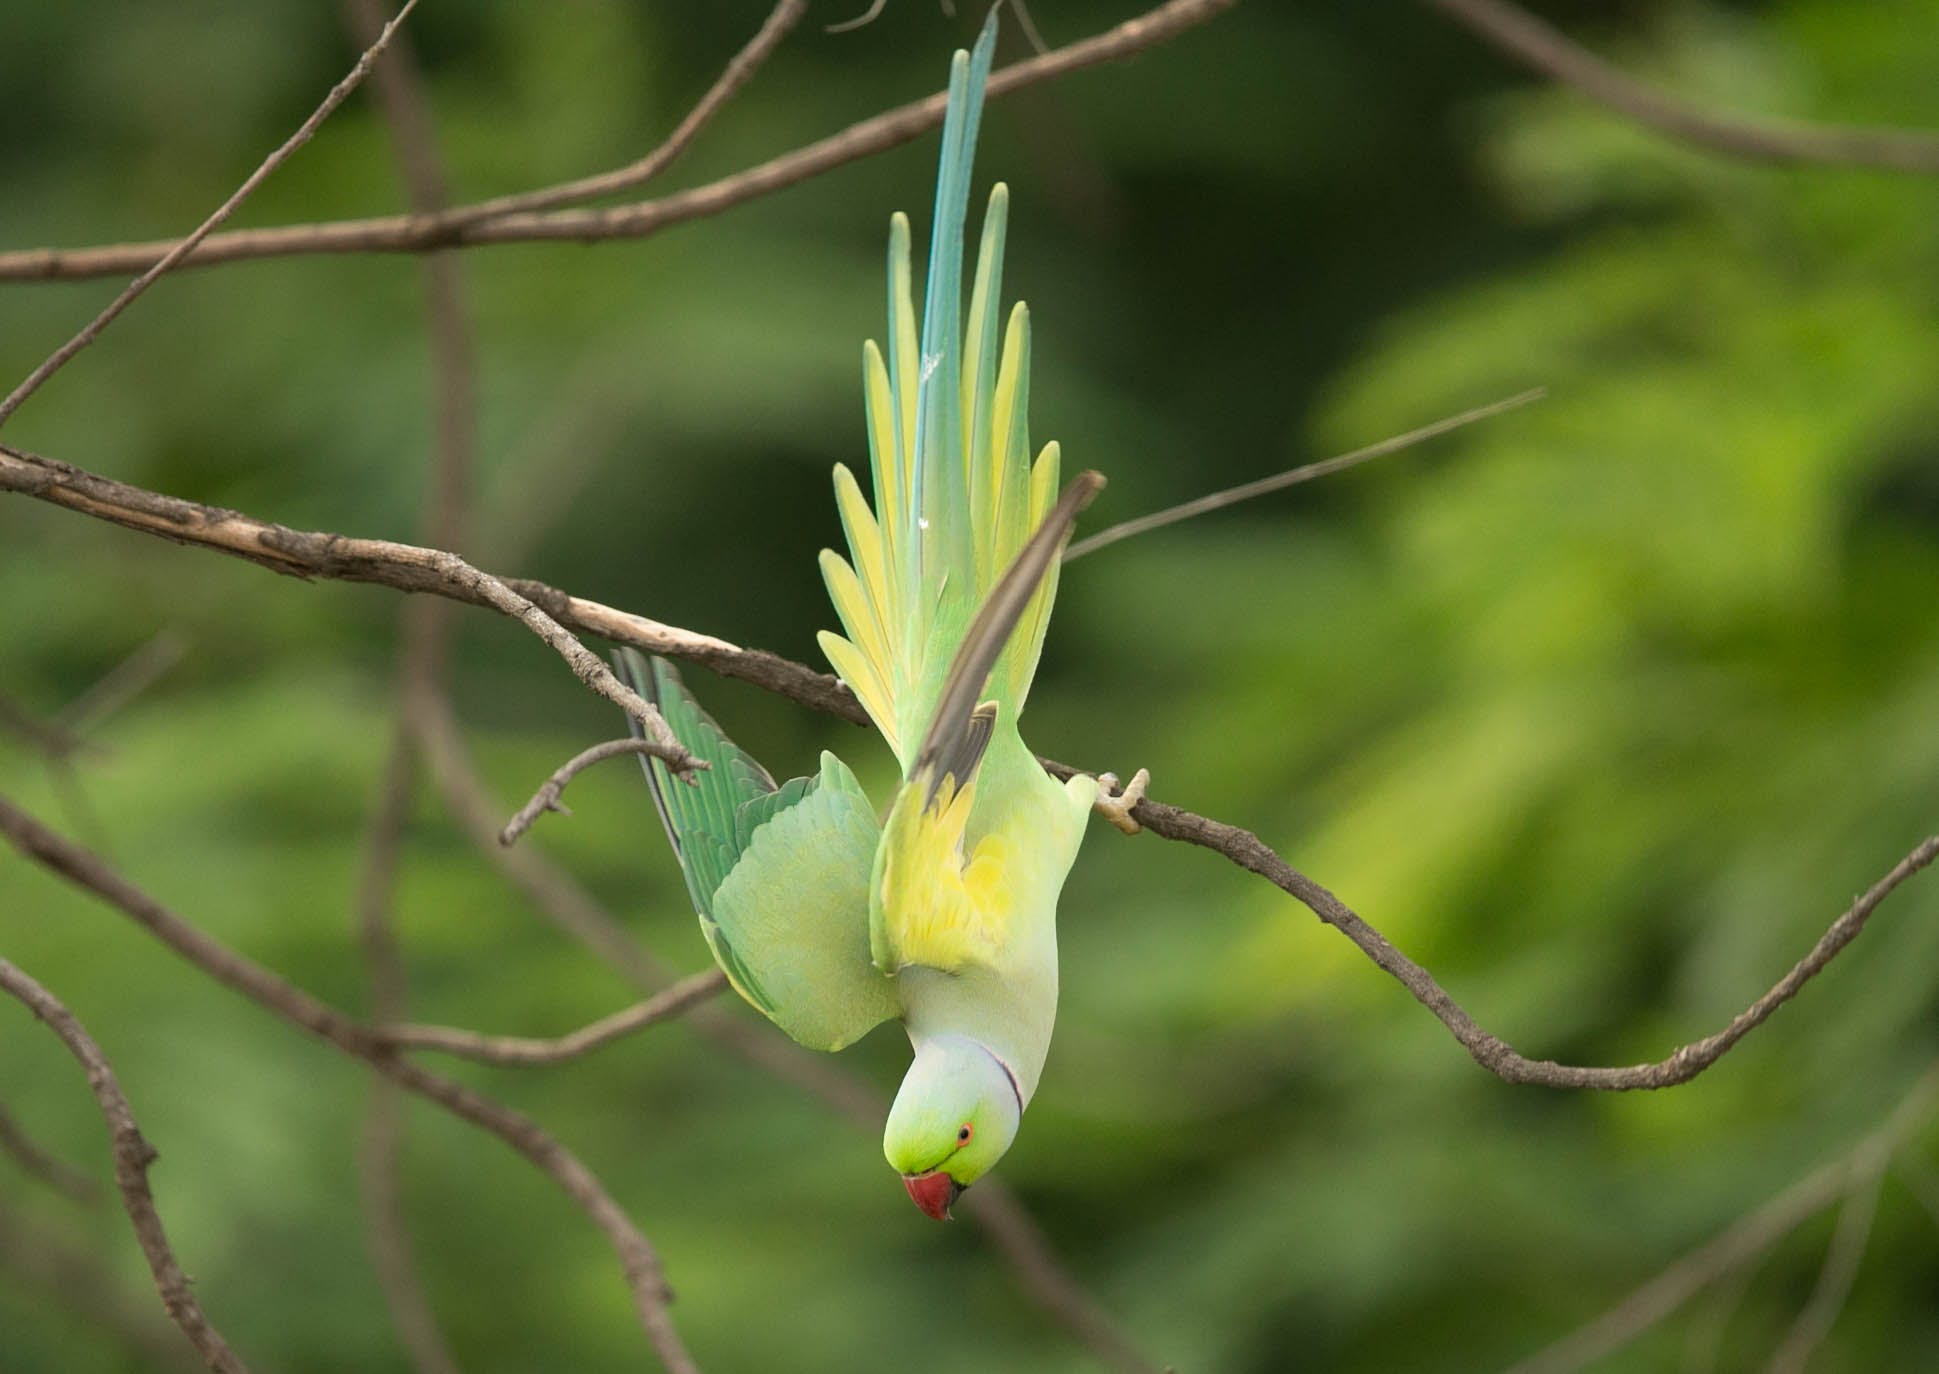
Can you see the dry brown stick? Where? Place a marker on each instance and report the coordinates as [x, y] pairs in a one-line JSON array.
[[1491, 1052], [1741, 1242], [401, 566], [92, 330], [547, 797], [57, 1174], [638, 1260], [780, 21], [423, 630], [420, 233], [406, 567], [132, 1156], [1547, 51], [523, 1050], [1326, 467], [992, 1207]]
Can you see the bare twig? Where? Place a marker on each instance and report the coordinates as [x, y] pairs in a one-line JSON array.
[[1232, 496], [423, 628], [420, 233], [517, 1049], [638, 1261], [404, 567], [547, 797], [409, 568], [1743, 1241], [132, 1156], [1839, 1272], [780, 21], [1545, 50], [121, 684], [1491, 1052], [57, 1174], [89, 333]]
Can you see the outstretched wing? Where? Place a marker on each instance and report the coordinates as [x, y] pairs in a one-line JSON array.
[[955, 492], [778, 875]]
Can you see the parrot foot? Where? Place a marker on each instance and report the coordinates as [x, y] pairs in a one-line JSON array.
[[1115, 800]]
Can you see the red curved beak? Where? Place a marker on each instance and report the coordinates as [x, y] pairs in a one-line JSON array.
[[933, 1192]]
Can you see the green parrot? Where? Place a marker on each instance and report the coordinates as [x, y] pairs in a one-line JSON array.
[[942, 914]]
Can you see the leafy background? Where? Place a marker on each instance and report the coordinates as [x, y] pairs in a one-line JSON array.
[[1601, 710]]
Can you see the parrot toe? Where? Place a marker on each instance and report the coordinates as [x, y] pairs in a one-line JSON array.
[[1115, 801]]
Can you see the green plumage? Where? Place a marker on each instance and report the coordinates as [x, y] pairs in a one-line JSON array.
[[942, 914]]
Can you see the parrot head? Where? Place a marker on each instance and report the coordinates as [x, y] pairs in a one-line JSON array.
[[954, 1117]]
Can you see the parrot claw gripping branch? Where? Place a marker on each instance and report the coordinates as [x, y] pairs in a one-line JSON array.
[[827, 916]]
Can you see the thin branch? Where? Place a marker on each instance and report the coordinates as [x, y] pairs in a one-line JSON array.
[[1491, 1052], [780, 21], [121, 684], [406, 567], [638, 1260], [547, 797], [420, 233], [403, 567], [57, 1174], [517, 1049], [1836, 1277], [424, 633], [1545, 50], [132, 1156], [1740, 1243], [89, 333], [1232, 496]]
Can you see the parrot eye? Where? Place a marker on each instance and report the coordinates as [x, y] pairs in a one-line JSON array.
[[963, 1133]]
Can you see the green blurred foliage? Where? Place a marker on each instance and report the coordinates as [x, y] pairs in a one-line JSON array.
[[1602, 710]]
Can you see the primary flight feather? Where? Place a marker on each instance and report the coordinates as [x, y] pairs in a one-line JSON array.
[[942, 914]]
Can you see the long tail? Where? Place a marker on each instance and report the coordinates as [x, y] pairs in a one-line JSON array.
[[955, 493]]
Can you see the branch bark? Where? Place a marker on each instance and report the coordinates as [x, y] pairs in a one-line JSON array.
[[180, 251], [522, 1050], [57, 1174], [638, 1260], [547, 797], [132, 1156], [464, 228]]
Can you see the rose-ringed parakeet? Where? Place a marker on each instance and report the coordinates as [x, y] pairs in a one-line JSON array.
[[942, 913]]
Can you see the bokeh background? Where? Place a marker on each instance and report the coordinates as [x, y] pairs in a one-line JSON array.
[[1602, 710]]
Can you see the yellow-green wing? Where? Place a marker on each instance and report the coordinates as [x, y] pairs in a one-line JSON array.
[[779, 875]]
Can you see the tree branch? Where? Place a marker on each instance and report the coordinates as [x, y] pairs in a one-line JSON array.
[[547, 797], [1743, 1241], [402, 566], [1548, 52], [405, 567], [638, 1261], [57, 1174], [132, 1156], [178, 252], [518, 1049], [458, 228]]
